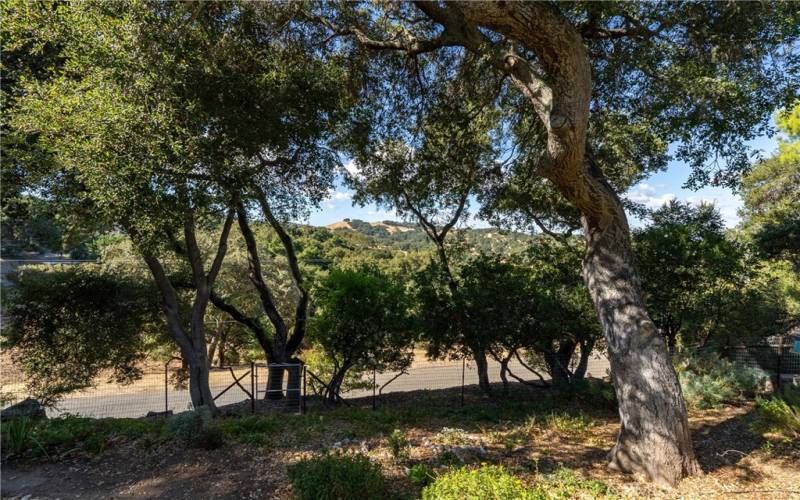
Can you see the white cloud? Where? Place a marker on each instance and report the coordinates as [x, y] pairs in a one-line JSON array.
[[726, 202], [352, 168], [336, 196], [646, 195]]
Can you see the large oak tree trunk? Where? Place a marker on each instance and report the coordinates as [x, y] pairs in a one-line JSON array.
[[294, 382], [654, 436], [479, 355], [199, 389], [275, 382], [583, 362], [558, 361]]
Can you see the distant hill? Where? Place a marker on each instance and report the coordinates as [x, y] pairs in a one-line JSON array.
[[406, 236]]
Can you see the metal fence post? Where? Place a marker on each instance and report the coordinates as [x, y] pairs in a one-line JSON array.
[[166, 387], [373, 389], [252, 387], [303, 400], [463, 371]]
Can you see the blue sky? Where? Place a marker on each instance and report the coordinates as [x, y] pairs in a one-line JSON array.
[[653, 192]]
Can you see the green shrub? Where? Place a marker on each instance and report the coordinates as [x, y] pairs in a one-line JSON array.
[[489, 482], [566, 484], [17, 435], [68, 434], [194, 428], [780, 414], [250, 429], [421, 475], [398, 444], [709, 381], [595, 392], [337, 477], [494, 482], [450, 459], [566, 423]]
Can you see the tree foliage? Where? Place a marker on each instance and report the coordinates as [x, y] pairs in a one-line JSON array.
[[363, 323], [700, 285], [771, 194], [66, 325]]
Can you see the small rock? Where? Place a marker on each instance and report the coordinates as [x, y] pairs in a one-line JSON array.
[[469, 453], [26, 408]]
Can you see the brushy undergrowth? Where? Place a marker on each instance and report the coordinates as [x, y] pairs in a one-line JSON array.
[[493, 482], [249, 429], [708, 381], [421, 475], [195, 428], [337, 477], [779, 414], [398, 444], [64, 436]]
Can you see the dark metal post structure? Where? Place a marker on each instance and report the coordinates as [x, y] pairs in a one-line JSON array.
[[166, 387], [252, 387], [463, 371], [303, 400], [374, 386], [255, 394]]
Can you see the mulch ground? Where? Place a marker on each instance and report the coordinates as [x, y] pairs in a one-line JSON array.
[[736, 462]]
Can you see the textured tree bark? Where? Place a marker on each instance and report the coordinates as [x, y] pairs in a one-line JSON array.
[[335, 385], [654, 434], [479, 355], [504, 374], [275, 383], [222, 344], [199, 389], [293, 384], [654, 437], [583, 362]]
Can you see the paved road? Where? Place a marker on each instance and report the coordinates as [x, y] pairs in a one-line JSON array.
[[147, 395]]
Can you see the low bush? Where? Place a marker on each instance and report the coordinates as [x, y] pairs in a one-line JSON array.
[[194, 428], [566, 484], [489, 482], [452, 436], [398, 444], [337, 477], [17, 436], [495, 483], [69, 434], [709, 381], [594, 392], [779, 414], [565, 423], [250, 429], [421, 475]]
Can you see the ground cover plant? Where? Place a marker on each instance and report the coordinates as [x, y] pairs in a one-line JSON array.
[[554, 448]]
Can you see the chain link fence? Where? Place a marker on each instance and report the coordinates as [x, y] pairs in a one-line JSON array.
[[779, 358], [253, 387]]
